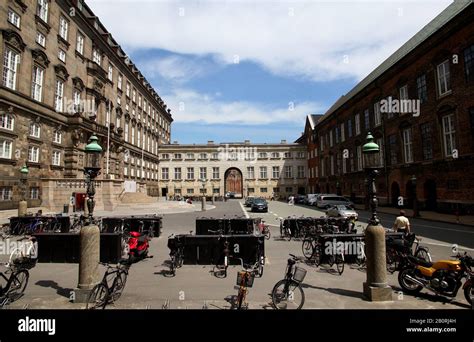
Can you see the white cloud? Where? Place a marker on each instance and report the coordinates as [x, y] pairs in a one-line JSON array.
[[190, 106], [292, 38]]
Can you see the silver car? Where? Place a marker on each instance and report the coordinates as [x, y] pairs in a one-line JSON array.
[[327, 201], [342, 211]]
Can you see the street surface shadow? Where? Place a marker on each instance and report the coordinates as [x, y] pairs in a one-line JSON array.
[[64, 292], [341, 292], [432, 298]]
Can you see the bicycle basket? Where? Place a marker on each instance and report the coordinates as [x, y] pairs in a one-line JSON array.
[[24, 263], [299, 274], [250, 278]]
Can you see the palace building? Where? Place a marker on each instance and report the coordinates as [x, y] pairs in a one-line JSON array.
[[64, 77], [419, 106]]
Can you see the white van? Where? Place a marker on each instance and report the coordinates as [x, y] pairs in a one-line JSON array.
[[312, 198]]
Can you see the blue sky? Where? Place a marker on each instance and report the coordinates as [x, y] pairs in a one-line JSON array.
[[241, 69]]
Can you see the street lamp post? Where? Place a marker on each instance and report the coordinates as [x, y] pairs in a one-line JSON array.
[[375, 287], [89, 234], [203, 199], [23, 204], [416, 212]]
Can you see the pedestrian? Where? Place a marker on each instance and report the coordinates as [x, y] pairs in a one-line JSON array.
[[402, 224]]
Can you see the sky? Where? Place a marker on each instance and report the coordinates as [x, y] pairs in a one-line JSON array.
[[236, 70]]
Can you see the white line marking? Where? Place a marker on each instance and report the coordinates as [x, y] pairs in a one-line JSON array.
[[274, 225], [275, 215], [445, 245], [280, 218], [245, 211]]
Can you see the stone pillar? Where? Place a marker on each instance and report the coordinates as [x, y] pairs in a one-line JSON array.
[[88, 263], [203, 203], [376, 287], [22, 208], [86, 208], [213, 200]]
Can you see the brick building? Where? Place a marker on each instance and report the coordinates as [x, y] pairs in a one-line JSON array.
[[434, 143], [310, 139], [63, 78]]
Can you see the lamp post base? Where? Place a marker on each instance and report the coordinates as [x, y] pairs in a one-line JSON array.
[[203, 203], [377, 294], [22, 208], [89, 262]]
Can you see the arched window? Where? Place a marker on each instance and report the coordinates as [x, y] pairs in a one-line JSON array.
[[35, 130], [7, 121]]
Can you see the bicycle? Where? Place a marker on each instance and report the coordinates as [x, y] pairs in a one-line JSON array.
[[15, 284], [103, 294], [285, 231], [264, 230], [396, 250], [245, 279], [288, 293], [220, 270], [176, 253]]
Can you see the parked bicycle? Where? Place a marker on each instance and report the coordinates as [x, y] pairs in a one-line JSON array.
[[220, 269], [264, 229], [176, 247], [111, 287], [288, 293], [245, 279], [397, 249], [15, 285]]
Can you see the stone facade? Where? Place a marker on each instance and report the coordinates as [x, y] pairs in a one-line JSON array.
[[436, 144], [64, 77], [243, 168]]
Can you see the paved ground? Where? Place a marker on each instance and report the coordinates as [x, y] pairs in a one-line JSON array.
[[194, 286]]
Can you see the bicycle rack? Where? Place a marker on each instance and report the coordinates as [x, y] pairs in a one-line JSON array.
[[205, 307], [166, 305]]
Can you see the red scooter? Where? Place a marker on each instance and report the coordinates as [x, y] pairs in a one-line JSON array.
[[138, 245]]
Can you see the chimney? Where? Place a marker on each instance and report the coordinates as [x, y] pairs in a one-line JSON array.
[[175, 142], [283, 141], [247, 142], [210, 142]]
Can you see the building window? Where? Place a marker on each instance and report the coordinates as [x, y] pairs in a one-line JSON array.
[[263, 172], [331, 143], [444, 79], [322, 144], [357, 124], [301, 171], [57, 137], [11, 60], [202, 173], [421, 88], [288, 171], [289, 189], [6, 193], [403, 92], [40, 39], [251, 172], [134, 95], [366, 119], [62, 56], [13, 18], [63, 28], [125, 132], [190, 191], [426, 141], [349, 128], [263, 190], [34, 130], [189, 155], [449, 135], [215, 173], [42, 10], [275, 155], [301, 155], [262, 155], [337, 134], [33, 154], [58, 96], [119, 82], [138, 137], [359, 158], [37, 83], [381, 152], [127, 89], [392, 143], [407, 145], [133, 136], [288, 155], [96, 56], [7, 121], [80, 43], [377, 115], [56, 158], [275, 172], [165, 173], [469, 63], [177, 156], [34, 192], [343, 135], [190, 173], [344, 165], [110, 74], [323, 167], [332, 165], [203, 156], [5, 149], [177, 173]]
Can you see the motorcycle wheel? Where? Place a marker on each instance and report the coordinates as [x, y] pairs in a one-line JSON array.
[[407, 285], [468, 292]]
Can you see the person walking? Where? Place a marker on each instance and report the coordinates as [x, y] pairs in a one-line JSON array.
[[402, 224]]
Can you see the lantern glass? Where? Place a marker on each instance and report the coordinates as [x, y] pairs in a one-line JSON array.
[[93, 160], [372, 161]]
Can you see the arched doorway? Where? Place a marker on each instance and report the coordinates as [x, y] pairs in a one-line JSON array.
[[430, 195], [395, 191], [410, 195], [234, 182]]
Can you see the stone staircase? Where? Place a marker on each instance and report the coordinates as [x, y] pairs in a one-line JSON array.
[[136, 197]]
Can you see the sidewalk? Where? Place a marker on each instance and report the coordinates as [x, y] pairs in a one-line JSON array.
[[427, 215]]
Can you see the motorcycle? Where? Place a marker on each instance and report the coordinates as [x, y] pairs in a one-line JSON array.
[[442, 277], [138, 245]]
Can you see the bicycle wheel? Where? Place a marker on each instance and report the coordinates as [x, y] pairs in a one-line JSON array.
[[98, 297], [268, 234], [422, 253], [308, 248], [340, 263], [179, 259], [331, 260], [241, 298], [19, 281], [288, 234], [391, 261], [118, 285], [287, 295], [220, 271]]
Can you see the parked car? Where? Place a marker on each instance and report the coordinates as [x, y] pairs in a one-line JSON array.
[[260, 204], [311, 199], [327, 201], [342, 210], [230, 194], [300, 199], [249, 200]]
